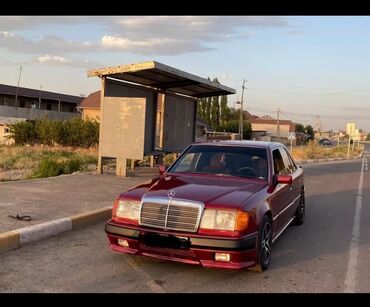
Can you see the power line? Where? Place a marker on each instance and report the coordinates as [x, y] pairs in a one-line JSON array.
[[315, 88], [338, 95], [311, 115]]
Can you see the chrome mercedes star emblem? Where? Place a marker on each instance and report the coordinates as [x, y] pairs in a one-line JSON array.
[[171, 193]]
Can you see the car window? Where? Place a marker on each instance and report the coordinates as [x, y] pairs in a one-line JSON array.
[[289, 166], [186, 163], [279, 166], [223, 160], [294, 165]]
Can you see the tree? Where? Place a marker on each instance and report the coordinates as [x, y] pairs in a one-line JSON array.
[[207, 110], [215, 109], [233, 126], [299, 128], [201, 105], [309, 130], [368, 137], [234, 114], [225, 110]]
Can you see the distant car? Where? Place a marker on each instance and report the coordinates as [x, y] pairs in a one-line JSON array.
[[325, 142], [219, 205]]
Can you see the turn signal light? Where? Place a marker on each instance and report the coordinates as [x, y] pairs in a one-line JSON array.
[[242, 220]]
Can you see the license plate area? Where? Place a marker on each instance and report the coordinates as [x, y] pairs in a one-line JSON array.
[[165, 241]]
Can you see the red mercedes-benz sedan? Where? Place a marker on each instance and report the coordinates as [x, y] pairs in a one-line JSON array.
[[219, 205]]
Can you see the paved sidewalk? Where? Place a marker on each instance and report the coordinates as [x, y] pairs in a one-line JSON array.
[[58, 197]]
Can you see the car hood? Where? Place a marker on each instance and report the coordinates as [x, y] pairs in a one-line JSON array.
[[222, 191]]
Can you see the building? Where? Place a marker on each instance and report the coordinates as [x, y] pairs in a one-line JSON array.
[[353, 132], [5, 130], [267, 129], [90, 106], [35, 104]]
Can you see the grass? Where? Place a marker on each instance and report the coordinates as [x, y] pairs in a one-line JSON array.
[[45, 161]]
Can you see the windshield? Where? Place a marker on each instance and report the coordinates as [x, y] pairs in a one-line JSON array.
[[223, 160]]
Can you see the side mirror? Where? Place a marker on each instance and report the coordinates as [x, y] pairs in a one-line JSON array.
[[284, 179], [276, 179], [162, 170]]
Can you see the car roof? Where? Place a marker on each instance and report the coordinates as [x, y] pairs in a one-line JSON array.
[[243, 143]]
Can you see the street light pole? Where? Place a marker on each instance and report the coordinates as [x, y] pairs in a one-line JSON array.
[[349, 144], [241, 113], [278, 126], [16, 93]]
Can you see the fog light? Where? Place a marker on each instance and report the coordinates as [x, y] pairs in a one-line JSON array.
[[123, 242], [222, 257]]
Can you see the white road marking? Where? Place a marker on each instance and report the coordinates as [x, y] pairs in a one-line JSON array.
[[350, 280], [151, 283], [366, 168]]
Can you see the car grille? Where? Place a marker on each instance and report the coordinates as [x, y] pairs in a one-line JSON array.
[[171, 214]]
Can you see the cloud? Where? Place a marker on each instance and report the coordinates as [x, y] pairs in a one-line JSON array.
[[147, 35], [163, 46], [48, 44], [56, 60], [48, 59], [170, 35]]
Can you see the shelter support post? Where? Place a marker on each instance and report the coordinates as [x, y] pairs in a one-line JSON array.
[[121, 164], [100, 158], [100, 165]]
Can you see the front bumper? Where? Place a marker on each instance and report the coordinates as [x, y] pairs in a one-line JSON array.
[[199, 250]]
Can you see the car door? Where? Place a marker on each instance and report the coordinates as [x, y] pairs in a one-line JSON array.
[[279, 199], [294, 189]]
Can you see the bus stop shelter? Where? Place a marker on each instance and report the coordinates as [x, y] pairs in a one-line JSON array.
[[148, 108]]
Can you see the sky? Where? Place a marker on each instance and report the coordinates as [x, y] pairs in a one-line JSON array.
[[313, 68]]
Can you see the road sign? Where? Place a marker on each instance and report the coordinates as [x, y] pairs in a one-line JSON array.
[[291, 136]]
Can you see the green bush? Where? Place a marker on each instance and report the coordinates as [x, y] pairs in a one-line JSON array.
[[74, 132], [23, 132], [50, 167], [47, 168]]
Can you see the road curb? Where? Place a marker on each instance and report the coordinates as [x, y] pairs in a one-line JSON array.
[[15, 239], [328, 160]]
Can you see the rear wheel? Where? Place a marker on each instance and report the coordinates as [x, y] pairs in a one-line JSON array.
[[301, 211], [264, 244]]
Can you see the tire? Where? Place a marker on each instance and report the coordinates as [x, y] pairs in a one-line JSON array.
[[301, 211], [264, 244]]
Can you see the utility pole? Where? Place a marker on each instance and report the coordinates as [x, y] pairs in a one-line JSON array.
[[349, 144], [241, 117], [40, 97], [338, 139], [16, 93], [318, 126], [278, 125]]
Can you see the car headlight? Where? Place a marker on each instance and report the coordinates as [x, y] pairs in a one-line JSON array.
[[224, 219], [128, 209]]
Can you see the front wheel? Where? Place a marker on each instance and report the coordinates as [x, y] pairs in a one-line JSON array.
[[301, 211], [264, 244]]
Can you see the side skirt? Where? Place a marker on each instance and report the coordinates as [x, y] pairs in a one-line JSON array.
[[281, 231]]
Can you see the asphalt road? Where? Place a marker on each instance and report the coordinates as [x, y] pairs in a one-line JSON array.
[[328, 253]]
